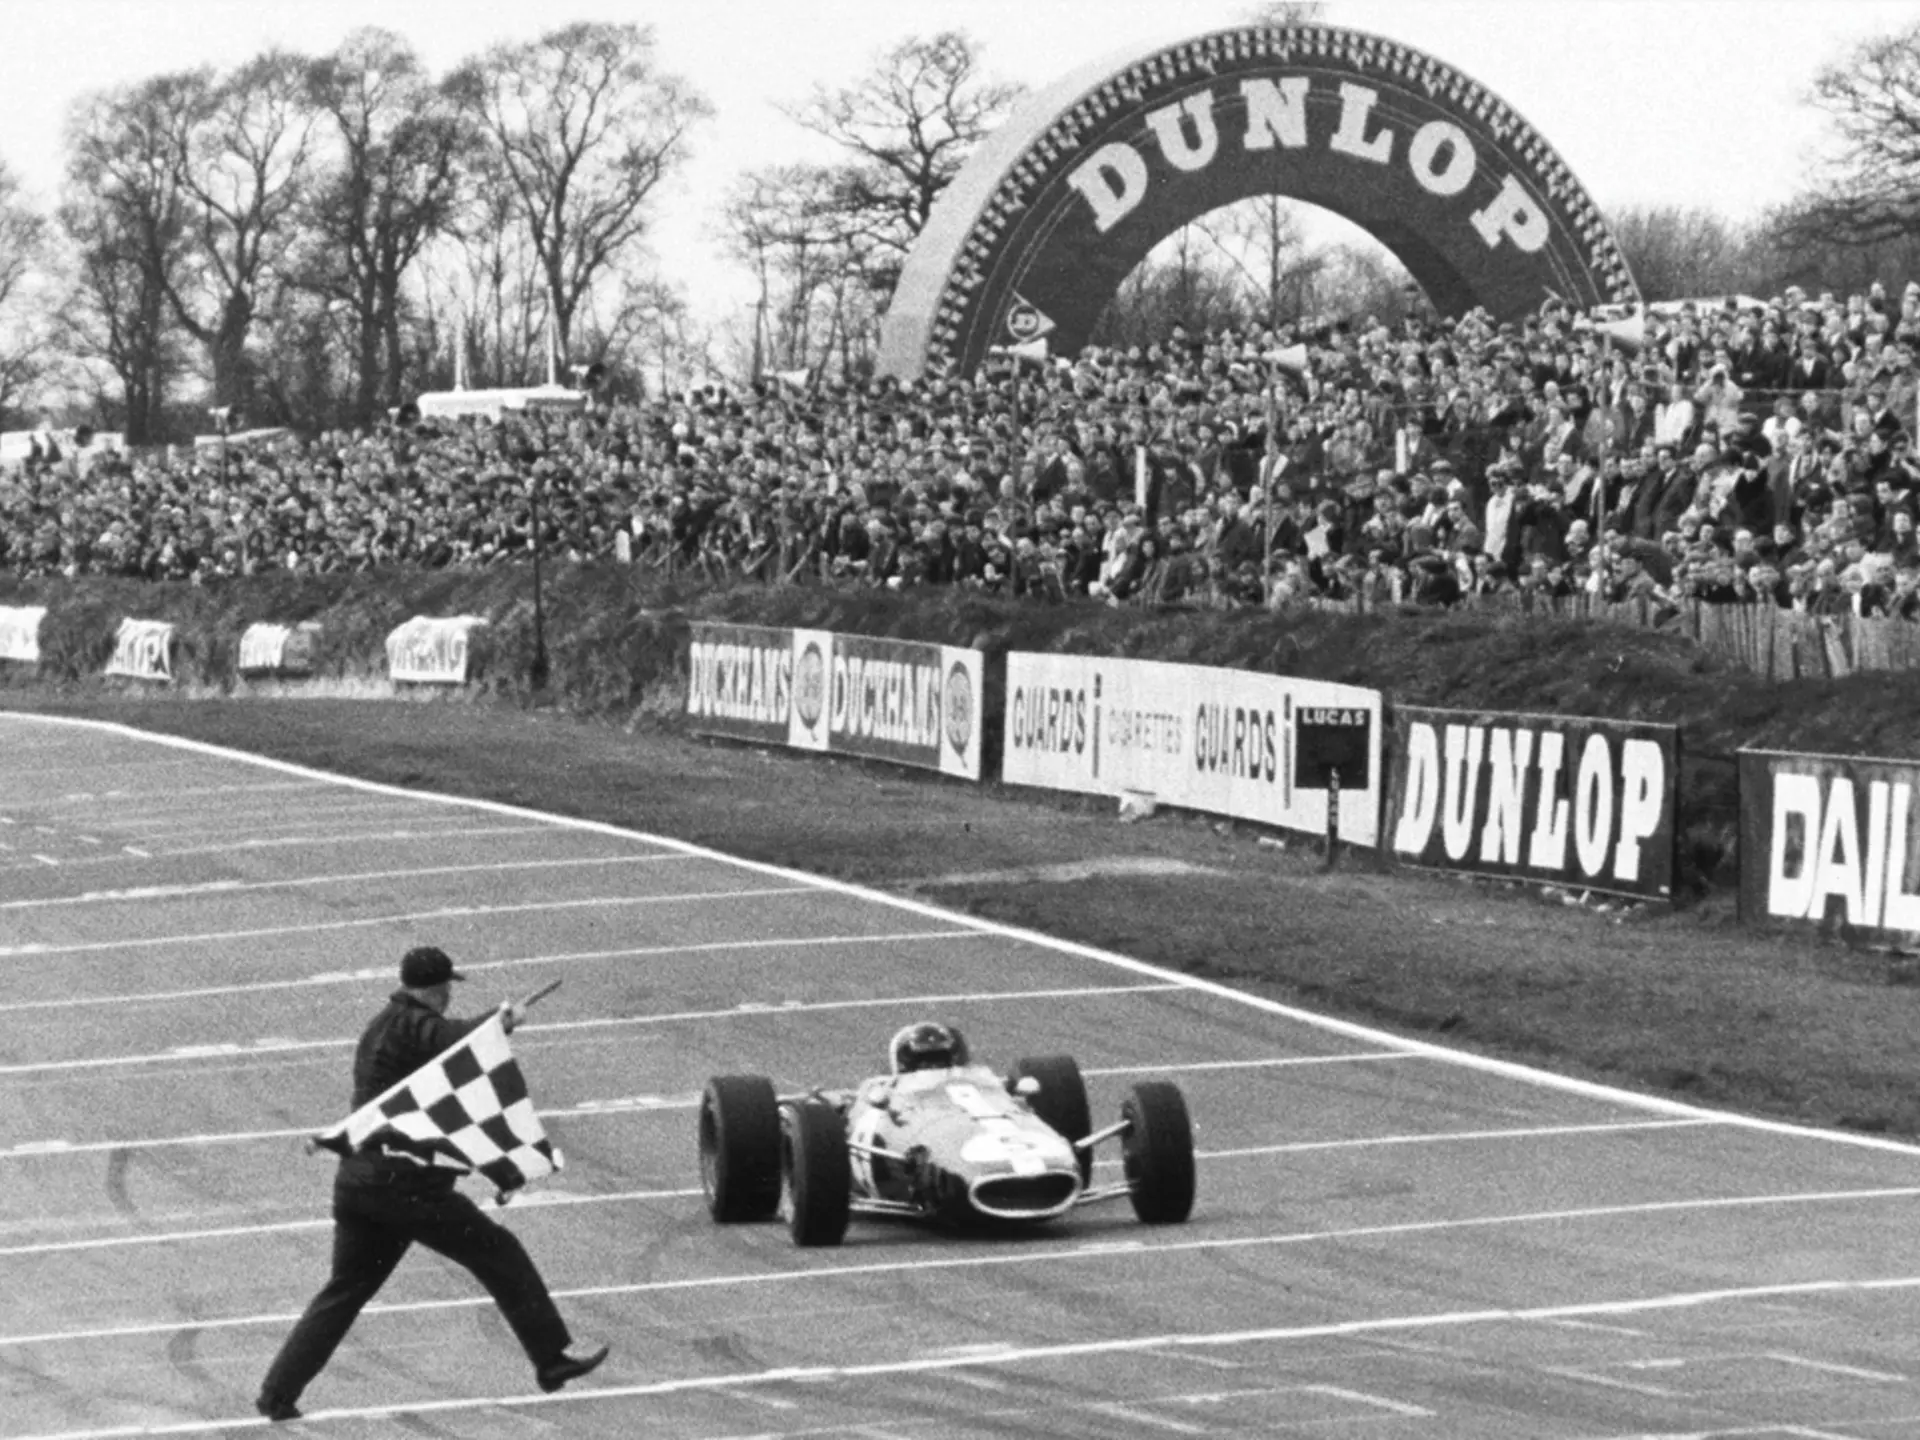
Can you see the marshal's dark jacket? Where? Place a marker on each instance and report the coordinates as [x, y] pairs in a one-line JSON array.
[[398, 1041]]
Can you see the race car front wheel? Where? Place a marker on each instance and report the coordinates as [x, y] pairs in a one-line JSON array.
[[1061, 1100], [1157, 1152], [740, 1148], [817, 1171]]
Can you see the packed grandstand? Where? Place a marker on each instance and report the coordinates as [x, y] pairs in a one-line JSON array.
[[1740, 450]]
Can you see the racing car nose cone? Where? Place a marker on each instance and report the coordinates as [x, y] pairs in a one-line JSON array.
[[1026, 1197]]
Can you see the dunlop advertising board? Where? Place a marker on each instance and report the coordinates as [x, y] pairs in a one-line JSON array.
[[1831, 843], [1229, 742], [899, 700], [1555, 799]]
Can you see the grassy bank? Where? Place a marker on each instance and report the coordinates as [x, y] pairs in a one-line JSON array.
[[617, 640]]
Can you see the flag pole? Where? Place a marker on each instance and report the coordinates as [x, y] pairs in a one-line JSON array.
[[540, 994]]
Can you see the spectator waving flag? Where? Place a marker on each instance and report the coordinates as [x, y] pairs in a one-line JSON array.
[[466, 1110]]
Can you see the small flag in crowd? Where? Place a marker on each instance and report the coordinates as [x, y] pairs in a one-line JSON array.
[[466, 1110]]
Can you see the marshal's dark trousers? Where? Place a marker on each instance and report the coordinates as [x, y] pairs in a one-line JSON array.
[[381, 1207]]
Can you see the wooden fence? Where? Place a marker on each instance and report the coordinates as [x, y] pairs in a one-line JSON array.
[[1778, 644]]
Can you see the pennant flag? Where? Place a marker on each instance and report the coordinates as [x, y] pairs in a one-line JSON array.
[[795, 379], [466, 1110], [1027, 321]]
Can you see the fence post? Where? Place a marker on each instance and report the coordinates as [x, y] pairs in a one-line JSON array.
[[1333, 816]]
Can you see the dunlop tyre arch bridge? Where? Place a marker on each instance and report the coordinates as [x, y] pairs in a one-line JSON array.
[[1056, 208]]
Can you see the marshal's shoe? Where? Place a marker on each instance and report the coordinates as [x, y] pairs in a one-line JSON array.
[[275, 1409], [565, 1367]]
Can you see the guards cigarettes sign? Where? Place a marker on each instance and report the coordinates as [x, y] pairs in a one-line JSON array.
[[1831, 843], [1229, 742], [20, 632], [1556, 799], [899, 700]]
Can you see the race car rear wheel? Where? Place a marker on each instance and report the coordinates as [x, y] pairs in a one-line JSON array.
[[1157, 1151], [817, 1171], [1061, 1100], [740, 1148]]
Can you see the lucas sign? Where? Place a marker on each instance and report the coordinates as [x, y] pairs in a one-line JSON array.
[[1831, 843], [1584, 803]]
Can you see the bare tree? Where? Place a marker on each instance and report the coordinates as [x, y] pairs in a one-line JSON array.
[[1677, 252], [486, 276], [241, 148], [786, 223], [24, 352], [125, 214], [396, 150], [1872, 99], [909, 124], [1261, 239], [582, 125]]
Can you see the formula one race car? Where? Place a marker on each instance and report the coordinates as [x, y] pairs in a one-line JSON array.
[[938, 1139]]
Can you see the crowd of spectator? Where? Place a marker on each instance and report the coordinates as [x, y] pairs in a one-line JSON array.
[[1739, 450]]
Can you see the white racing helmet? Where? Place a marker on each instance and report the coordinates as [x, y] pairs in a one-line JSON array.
[[928, 1045]]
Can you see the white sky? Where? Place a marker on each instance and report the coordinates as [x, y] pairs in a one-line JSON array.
[[1649, 101]]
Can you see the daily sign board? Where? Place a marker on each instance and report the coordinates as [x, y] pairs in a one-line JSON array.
[[1831, 843], [899, 700], [1555, 799], [1229, 742]]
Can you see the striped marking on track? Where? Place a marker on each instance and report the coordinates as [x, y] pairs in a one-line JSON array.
[[592, 1109], [628, 1104], [451, 912], [229, 1050], [385, 972], [198, 889], [1131, 1253]]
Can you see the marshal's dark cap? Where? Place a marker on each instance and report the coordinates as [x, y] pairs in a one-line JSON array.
[[427, 965]]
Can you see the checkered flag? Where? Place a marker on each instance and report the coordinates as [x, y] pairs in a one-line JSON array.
[[465, 1110]]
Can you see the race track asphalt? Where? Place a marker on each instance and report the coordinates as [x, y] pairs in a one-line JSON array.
[[1390, 1240]]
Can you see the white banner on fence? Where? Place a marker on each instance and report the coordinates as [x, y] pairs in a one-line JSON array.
[[143, 649], [432, 649], [20, 632], [278, 649], [1229, 742]]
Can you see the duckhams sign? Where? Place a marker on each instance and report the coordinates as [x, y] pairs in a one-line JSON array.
[[1229, 742], [1052, 212], [1831, 843], [1583, 803], [898, 700]]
